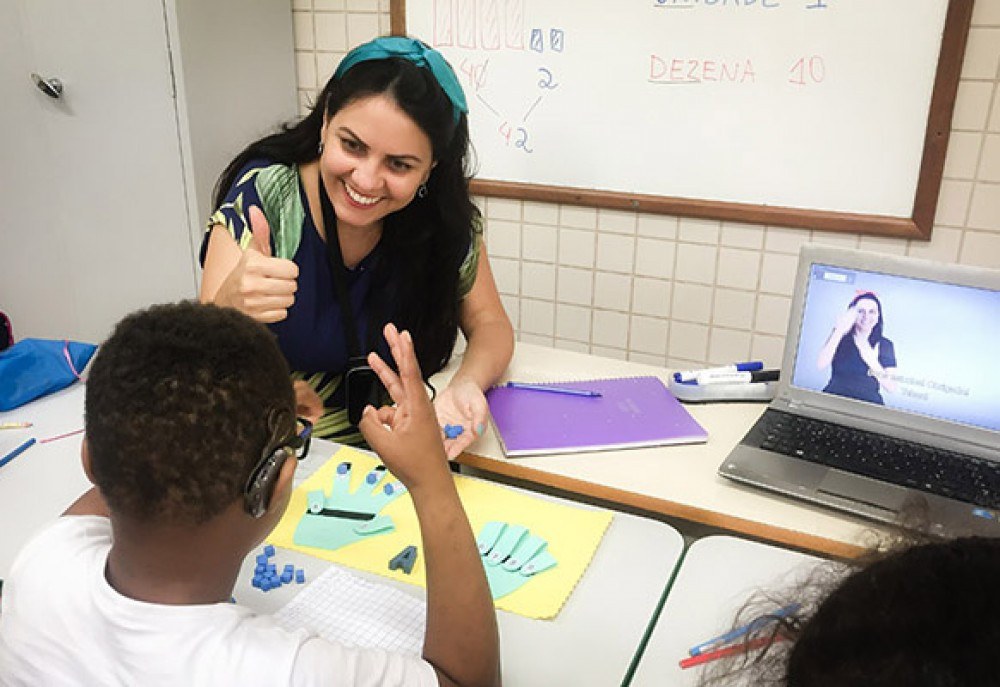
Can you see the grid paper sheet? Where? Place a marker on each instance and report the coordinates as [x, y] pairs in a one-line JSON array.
[[346, 608]]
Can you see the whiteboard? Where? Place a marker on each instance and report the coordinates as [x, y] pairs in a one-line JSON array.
[[797, 112]]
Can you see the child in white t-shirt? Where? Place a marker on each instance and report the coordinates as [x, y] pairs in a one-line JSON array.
[[190, 443]]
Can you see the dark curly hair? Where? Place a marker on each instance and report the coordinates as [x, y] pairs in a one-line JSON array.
[[424, 243], [923, 616], [177, 407]]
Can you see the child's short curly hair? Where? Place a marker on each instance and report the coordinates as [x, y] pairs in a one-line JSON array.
[[177, 408]]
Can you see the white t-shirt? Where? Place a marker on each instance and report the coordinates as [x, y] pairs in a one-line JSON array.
[[62, 624]]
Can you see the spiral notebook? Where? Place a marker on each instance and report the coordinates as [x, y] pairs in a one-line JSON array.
[[631, 412]]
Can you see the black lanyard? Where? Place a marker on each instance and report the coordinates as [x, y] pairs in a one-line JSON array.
[[339, 273]]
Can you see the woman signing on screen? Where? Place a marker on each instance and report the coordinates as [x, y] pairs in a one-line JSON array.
[[861, 359], [356, 216]]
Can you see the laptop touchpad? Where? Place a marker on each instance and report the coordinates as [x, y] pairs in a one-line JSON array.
[[863, 490]]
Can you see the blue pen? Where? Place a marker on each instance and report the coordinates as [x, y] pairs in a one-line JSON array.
[[554, 389], [748, 366], [16, 452], [754, 624]]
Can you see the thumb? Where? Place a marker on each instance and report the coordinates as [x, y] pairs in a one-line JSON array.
[[373, 430], [261, 240]]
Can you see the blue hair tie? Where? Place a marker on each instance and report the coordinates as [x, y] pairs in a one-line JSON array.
[[416, 52]]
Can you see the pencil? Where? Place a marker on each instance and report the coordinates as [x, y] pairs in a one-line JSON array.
[[554, 389], [60, 436], [752, 626], [758, 643], [14, 425], [16, 452]]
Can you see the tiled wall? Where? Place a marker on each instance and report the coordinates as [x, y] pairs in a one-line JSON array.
[[675, 291]]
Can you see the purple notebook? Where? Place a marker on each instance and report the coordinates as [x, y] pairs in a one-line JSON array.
[[631, 412]]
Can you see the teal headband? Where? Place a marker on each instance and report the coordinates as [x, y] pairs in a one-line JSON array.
[[416, 52]]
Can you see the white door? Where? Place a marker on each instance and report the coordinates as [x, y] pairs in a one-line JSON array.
[[93, 218]]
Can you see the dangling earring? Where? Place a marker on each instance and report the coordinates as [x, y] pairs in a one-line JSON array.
[[422, 191], [320, 146]]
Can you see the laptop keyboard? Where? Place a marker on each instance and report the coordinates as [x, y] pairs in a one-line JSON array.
[[937, 471]]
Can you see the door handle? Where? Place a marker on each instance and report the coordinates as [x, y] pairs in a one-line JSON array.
[[51, 87]]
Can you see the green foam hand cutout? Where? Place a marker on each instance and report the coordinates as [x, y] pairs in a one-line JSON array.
[[511, 556], [345, 517]]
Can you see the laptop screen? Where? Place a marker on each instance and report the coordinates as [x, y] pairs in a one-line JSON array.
[[914, 345]]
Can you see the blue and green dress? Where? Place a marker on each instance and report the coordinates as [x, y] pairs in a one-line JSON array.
[[312, 336]]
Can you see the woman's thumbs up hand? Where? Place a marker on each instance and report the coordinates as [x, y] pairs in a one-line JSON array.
[[260, 286]]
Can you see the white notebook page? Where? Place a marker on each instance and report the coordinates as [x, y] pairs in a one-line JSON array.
[[343, 607]]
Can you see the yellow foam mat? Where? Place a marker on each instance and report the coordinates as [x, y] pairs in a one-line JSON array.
[[573, 534]]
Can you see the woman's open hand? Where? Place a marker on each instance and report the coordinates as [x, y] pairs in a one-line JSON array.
[[846, 321], [462, 403]]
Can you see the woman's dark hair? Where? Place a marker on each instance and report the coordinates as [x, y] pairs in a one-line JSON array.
[[876, 334], [924, 616], [423, 244]]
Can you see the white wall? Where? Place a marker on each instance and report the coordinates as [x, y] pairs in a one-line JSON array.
[[675, 291]]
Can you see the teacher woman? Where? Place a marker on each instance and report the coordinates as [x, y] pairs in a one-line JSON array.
[[860, 358], [359, 215]]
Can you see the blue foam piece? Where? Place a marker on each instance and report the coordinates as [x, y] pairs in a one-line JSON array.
[[269, 550], [453, 431]]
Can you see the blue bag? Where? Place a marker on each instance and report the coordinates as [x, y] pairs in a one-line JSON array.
[[32, 368]]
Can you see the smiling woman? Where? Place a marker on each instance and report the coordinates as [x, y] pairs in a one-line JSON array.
[[359, 215], [861, 359]]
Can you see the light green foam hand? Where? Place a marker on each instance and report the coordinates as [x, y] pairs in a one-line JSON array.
[[345, 517], [511, 556]]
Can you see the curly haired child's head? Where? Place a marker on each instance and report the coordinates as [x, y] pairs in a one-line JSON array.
[[177, 407]]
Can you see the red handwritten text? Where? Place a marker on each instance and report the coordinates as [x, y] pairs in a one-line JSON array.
[[687, 70]]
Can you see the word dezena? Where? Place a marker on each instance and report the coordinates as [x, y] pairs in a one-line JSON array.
[[678, 70]]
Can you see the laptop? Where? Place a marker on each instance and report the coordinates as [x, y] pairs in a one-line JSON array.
[[889, 401]]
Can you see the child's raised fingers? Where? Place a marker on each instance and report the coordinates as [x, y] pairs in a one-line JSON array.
[[390, 380], [409, 368]]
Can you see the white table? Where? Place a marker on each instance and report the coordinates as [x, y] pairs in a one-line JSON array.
[[593, 639], [717, 576], [43, 481], [677, 481]]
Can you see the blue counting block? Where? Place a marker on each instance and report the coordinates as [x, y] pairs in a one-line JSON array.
[[266, 576], [453, 431]]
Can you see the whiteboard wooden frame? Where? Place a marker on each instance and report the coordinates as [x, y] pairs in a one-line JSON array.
[[917, 226]]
